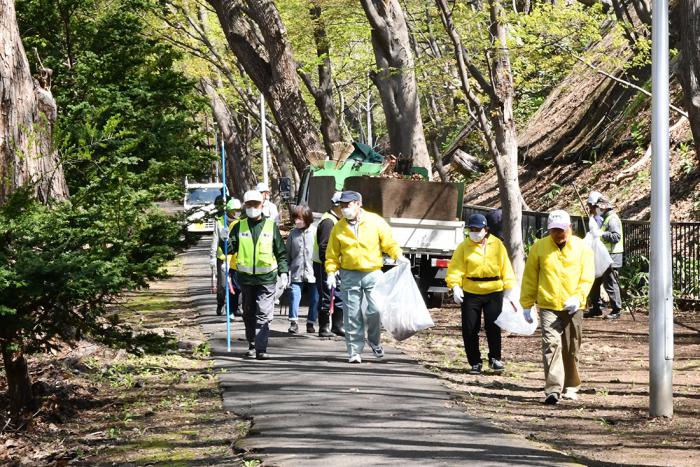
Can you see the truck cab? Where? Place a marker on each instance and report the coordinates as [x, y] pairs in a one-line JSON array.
[[199, 205]]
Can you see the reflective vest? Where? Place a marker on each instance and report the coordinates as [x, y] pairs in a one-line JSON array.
[[258, 258], [618, 247], [316, 255], [219, 251]]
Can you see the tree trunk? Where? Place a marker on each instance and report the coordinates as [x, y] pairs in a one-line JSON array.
[[689, 75], [323, 93], [27, 113], [496, 122], [19, 387], [238, 167], [258, 38], [503, 124], [396, 81]]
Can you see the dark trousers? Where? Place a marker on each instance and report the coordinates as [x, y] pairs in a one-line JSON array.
[[222, 287], [610, 280], [258, 311], [324, 304], [472, 308]]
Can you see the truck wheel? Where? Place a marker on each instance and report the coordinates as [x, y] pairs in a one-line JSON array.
[[435, 300]]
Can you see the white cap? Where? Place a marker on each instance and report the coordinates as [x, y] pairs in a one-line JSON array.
[[335, 199], [594, 197], [252, 195], [558, 219], [262, 187]]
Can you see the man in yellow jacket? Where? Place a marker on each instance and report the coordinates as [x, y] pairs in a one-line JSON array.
[[559, 273], [354, 251], [478, 273]]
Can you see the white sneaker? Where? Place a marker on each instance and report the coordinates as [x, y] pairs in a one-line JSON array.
[[570, 393], [378, 350], [355, 358]]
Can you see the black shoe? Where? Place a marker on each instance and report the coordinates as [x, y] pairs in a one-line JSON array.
[[592, 313], [293, 328], [552, 399], [476, 369], [338, 331], [496, 365], [262, 356], [613, 315], [237, 312], [325, 332], [310, 328]]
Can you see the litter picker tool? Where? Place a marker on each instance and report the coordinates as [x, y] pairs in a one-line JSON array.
[[583, 206], [228, 305]]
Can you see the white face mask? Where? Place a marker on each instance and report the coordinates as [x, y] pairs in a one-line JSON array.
[[253, 213], [477, 236], [349, 213], [299, 224]]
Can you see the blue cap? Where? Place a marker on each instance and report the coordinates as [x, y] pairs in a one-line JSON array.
[[477, 221], [349, 196]]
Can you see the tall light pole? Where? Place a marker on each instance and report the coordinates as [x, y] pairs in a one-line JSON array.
[[661, 284], [263, 124]]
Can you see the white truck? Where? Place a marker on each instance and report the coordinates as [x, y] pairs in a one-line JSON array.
[[199, 205], [425, 217]]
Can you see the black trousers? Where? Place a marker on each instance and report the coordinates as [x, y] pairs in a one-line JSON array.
[[472, 308], [222, 287], [610, 280], [324, 303]]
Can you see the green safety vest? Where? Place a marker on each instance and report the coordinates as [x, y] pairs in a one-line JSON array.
[[256, 258], [316, 256], [618, 247], [219, 250]]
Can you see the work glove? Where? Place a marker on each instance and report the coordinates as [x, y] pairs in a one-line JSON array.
[[527, 312], [403, 260], [593, 228], [331, 280], [572, 305], [284, 280], [458, 294], [212, 262]]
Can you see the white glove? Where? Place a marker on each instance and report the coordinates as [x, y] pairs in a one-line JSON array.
[[528, 314], [572, 305], [331, 280], [223, 233], [593, 228], [458, 294], [403, 260], [212, 262], [284, 279]]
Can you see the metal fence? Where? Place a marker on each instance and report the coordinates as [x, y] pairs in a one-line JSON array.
[[685, 246]]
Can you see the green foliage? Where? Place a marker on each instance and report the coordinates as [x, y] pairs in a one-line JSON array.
[[62, 265], [123, 102], [634, 282]]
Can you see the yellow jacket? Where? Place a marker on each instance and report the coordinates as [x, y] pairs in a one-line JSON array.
[[470, 259], [364, 251], [553, 275]]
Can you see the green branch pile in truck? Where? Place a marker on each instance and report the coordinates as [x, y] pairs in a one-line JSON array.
[[425, 217]]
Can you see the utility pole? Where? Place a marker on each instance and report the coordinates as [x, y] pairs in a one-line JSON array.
[[263, 124], [661, 284]]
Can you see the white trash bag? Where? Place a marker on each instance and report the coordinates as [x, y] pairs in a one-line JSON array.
[[402, 309], [601, 256], [512, 318]]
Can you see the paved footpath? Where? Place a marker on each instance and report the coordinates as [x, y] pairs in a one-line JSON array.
[[310, 407]]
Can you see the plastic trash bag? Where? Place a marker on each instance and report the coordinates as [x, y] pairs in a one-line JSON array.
[[512, 318], [401, 306], [602, 258]]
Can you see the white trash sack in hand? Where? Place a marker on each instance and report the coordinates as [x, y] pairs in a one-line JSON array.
[[512, 318], [601, 256], [401, 306]]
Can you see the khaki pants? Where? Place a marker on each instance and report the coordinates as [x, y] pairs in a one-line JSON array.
[[561, 339]]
